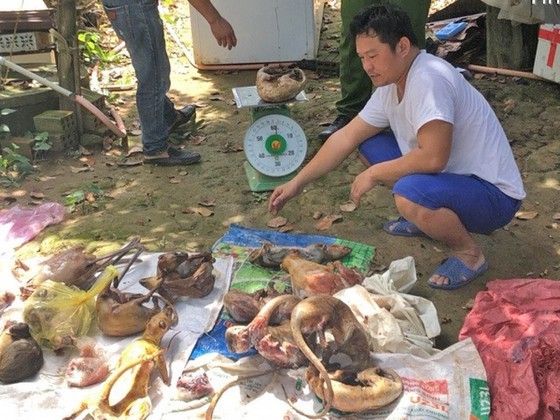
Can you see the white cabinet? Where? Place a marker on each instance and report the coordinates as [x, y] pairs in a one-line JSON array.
[[268, 31]]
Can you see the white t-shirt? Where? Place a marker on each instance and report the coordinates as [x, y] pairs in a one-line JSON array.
[[435, 90]]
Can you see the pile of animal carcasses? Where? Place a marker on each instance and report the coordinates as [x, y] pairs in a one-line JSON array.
[[293, 329], [89, 286]]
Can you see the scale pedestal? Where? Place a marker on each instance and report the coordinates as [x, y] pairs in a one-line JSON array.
[[275, 145]]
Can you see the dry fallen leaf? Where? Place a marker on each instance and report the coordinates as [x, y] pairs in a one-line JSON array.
[[317, 215], [556, 216], [196, 140], [198, 210], [209, 202], [84, 151], [89, 197], [37, 194], [348, 207], [286, 228], [326, 222], [129, 163], [509, 104], [277, 222], [526, 215], [75, 170]]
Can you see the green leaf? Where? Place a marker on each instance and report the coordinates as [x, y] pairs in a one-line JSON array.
[[7, 111], [42, 146], [4, 128], [75, 198], [43, 136]]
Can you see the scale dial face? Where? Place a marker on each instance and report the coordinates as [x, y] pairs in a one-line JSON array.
[[275, 145]]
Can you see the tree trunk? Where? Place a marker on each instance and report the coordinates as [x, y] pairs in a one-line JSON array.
[[509, 45], [68, 66]]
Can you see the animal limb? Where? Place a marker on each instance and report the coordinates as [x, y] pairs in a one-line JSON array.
[[218, 395], [316, 315]]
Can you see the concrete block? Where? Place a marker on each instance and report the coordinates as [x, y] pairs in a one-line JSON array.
[[63, 142], [88, 140], [92, 124], [25, 145], [55, 121], [27, 104]]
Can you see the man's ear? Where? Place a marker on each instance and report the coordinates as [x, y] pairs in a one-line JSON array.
[[403, 46]]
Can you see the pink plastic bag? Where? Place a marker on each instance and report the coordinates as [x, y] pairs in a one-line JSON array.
[[515, 326], [20, 225]]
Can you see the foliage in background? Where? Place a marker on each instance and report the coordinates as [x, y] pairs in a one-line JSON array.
[[91, 48], [90, 195], [13, 167]]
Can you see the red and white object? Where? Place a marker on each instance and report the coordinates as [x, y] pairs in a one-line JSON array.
[[547, 58]]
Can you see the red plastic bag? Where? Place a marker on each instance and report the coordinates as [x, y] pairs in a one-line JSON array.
[[515, 326]]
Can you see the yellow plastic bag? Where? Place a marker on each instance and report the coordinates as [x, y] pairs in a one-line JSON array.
[[57, 313]]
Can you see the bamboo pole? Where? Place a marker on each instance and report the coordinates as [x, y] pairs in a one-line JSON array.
[[505, 72]]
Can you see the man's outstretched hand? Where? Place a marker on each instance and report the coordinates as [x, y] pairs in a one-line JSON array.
[[281, 195]]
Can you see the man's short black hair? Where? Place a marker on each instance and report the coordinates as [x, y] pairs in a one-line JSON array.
[[387, 21]]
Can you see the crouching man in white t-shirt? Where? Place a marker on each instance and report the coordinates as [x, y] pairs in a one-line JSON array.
[[432, 137]]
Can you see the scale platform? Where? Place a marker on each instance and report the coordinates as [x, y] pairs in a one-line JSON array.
[[275, 145], [247, 97]]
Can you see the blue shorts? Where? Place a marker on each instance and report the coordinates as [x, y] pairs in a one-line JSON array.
[[481, 206]]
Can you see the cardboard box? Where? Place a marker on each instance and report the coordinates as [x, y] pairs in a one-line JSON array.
[[547, 58]]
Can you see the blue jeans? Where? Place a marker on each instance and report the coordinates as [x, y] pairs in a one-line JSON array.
[[138, 23]]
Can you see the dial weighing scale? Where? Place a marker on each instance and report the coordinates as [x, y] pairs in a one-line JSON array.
[[275, 145]]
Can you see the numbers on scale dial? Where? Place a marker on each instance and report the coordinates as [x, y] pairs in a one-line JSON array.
[[275, 145]]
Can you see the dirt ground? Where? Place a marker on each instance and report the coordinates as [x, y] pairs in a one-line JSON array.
[[154, 202]]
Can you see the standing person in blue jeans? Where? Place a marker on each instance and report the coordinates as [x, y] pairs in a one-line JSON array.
[[432, 137], [138, 23]]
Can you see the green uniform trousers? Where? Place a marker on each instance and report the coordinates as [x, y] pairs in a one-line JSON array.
[[355, 85]]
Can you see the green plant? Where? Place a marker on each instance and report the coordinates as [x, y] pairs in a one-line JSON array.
[[41, 145], [91, 49], [89, 195], [4, 131], [13, 166]]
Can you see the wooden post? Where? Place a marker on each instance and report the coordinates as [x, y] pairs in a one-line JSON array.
[[509, 46], [67, 64]]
